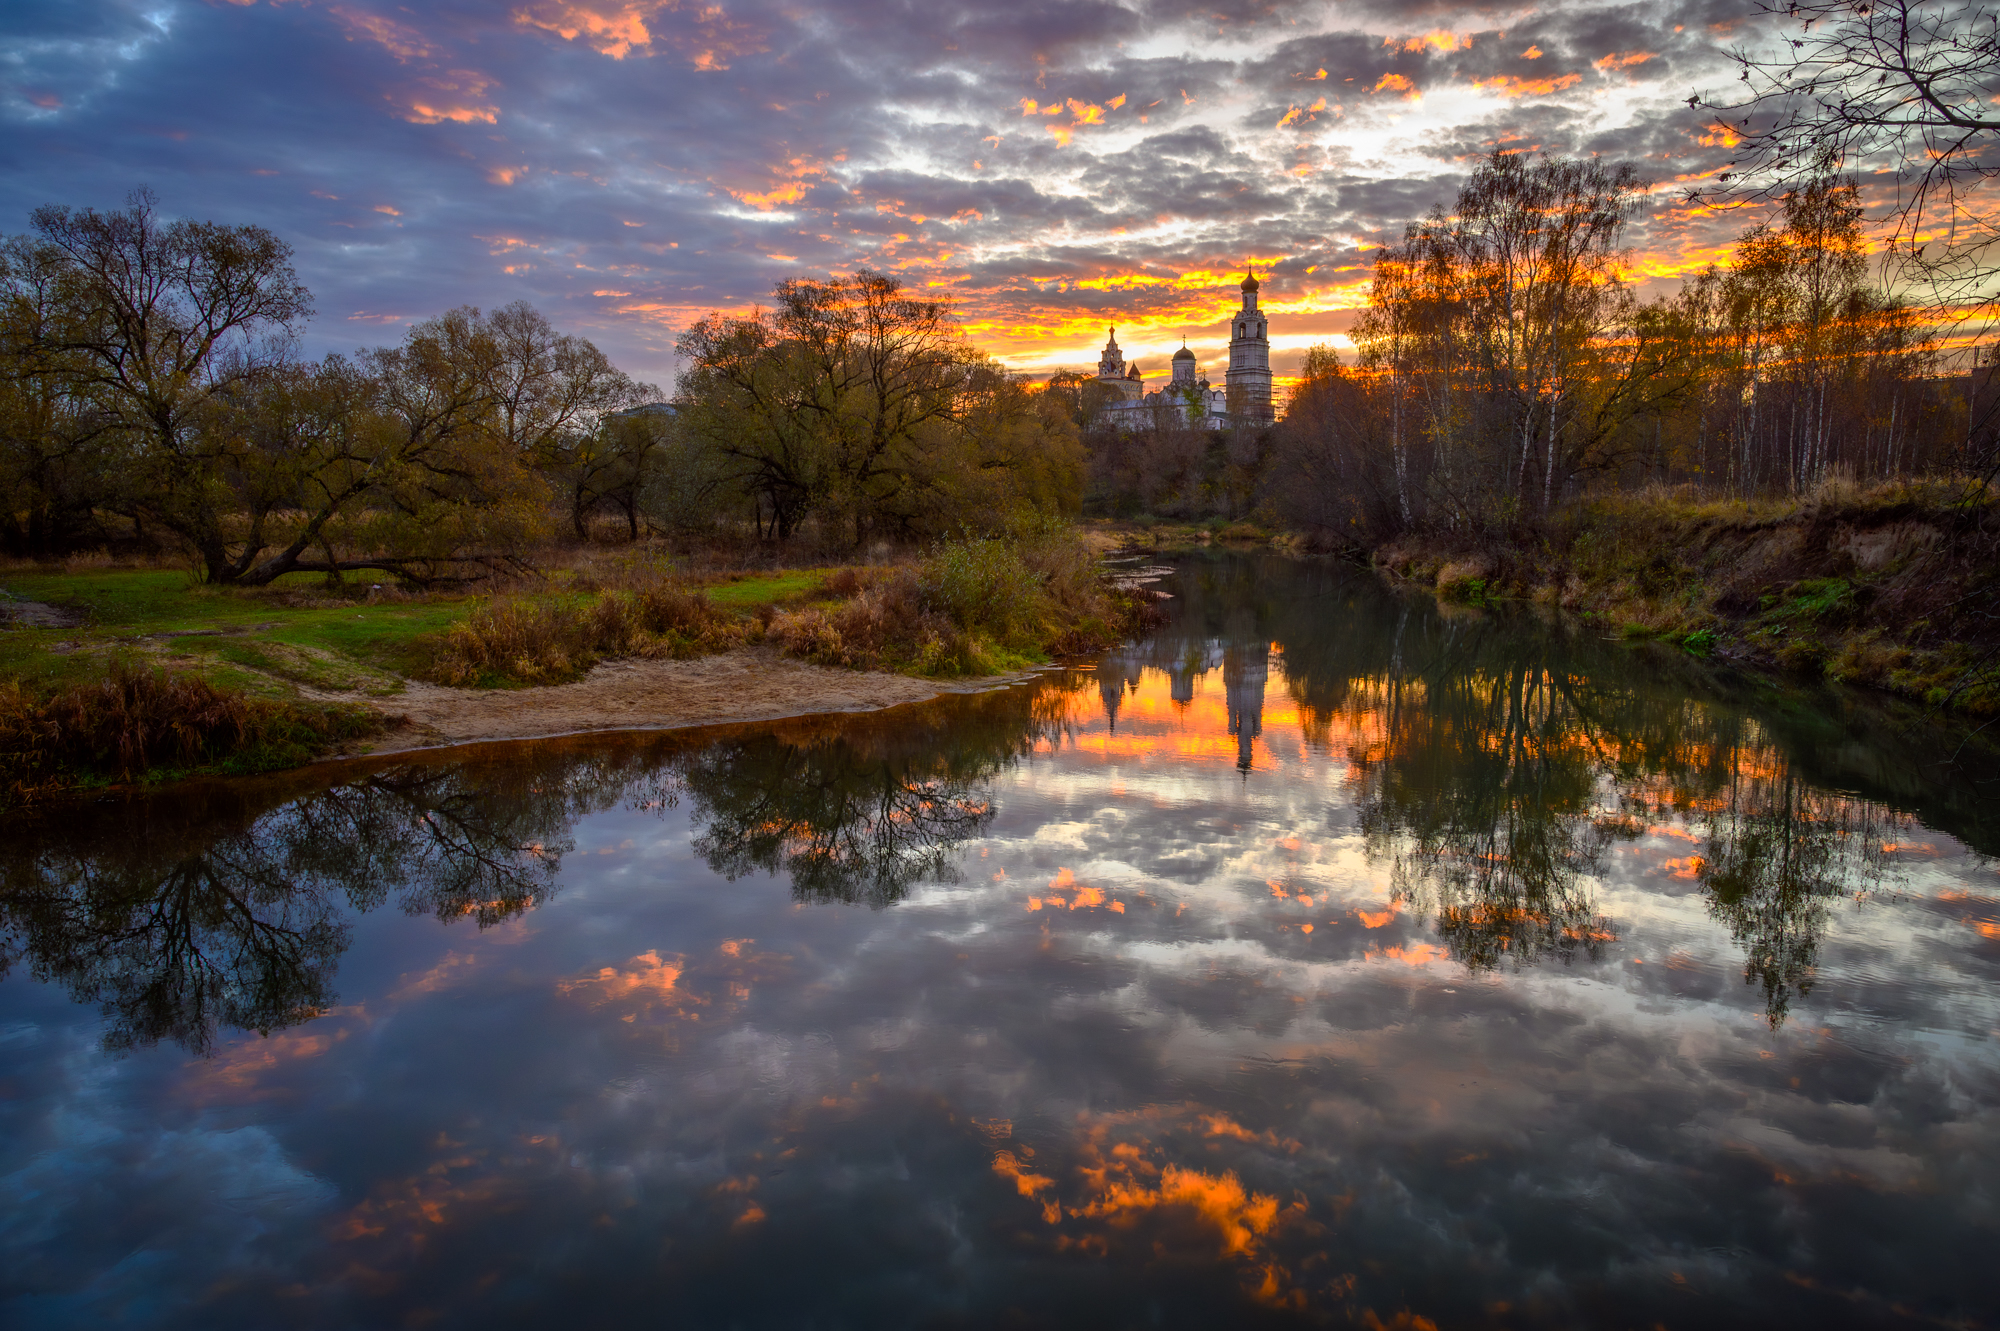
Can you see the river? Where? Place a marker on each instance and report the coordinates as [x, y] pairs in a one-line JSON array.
[[1328, 957]]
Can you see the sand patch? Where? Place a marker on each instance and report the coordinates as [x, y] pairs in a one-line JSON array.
[[752, 684]]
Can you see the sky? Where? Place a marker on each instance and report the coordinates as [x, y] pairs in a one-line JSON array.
[[1051, 167]]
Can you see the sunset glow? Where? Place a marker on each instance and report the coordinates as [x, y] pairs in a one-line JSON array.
[[1048, 172]]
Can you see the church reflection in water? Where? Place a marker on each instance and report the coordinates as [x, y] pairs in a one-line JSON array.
[[1493, 767], [1324, 956]]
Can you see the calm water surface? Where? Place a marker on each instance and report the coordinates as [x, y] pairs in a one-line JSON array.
[[1326, 958]]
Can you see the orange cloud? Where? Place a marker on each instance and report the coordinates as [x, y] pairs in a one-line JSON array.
[[1532, 53], [1239, 1217], [1396, 83], [644, 975], [608, 29], [1624, 61], [1437, 38], [1506, 85], [1416, 954], [705, 33], [441, 976], [765, 202], [238, 1067], [458, 96], [398, 39]]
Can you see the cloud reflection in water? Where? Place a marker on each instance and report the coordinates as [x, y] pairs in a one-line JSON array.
[[1372, 963]]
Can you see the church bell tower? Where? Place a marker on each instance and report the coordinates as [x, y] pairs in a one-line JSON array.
[[1249, 377]]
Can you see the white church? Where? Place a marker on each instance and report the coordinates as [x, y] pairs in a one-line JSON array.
[[1186, 398]]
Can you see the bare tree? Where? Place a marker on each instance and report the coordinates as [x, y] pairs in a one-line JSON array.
[[165, 321], [1906, 87], [856, 402], [551, 392], [1507, 339]]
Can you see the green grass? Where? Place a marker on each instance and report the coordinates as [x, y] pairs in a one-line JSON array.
[[757, 589], [253, 641]]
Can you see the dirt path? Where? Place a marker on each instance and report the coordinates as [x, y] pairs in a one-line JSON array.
[[745, 685]]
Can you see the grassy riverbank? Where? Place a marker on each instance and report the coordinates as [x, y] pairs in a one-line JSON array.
[[124, 673], [1895, 587]]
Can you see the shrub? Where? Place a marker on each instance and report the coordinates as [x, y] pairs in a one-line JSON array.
[[972, 607], [140, 721], [548, 642], [984, 585]]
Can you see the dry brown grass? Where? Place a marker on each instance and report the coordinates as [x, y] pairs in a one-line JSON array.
[[139, 722], [971, 607], [547, 642], [1895, 586]]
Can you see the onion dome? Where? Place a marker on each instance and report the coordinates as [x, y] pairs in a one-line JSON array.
[[1183, 354], [1249, 280]]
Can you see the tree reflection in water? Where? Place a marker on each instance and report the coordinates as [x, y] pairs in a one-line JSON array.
[[181, 928], [1493, 762], [177, 932], [863, 809], [1776, 853], [1495, 759]]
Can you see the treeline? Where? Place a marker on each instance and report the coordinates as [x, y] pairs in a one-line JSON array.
[[854, 408], [151, 394], [1505, 366], [150, 391]]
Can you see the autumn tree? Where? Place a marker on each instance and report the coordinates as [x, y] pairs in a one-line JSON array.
[[1343, 469], [1511, 352], [860, 405], [158, 324], [56, 443], [1803, 364], [552, 394]]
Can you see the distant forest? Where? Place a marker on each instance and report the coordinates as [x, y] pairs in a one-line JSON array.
[[1504, 367]]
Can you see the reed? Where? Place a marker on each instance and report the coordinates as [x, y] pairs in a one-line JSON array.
[[140, 723]]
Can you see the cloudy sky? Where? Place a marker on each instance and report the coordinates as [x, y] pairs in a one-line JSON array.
[[627, 165]]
